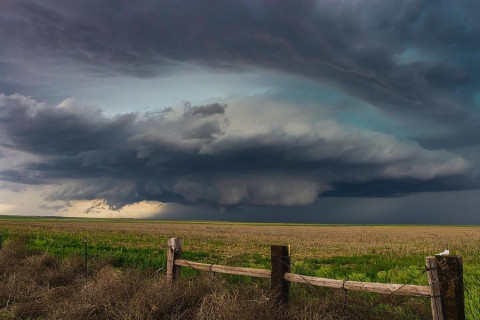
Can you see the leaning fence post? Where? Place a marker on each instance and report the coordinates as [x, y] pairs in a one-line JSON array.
[[445, 275], [280, 287], [174, 251]]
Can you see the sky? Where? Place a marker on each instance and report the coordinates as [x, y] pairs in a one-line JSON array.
[[321, 111]]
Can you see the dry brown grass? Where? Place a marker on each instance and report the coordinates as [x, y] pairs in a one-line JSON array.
[[34, 285]]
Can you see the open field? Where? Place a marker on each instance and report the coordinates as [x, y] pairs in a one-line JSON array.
[[389, 254]]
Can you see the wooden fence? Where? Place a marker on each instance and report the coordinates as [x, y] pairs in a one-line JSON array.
[[445, 276]]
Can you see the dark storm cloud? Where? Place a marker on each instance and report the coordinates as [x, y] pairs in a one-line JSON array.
[[21, 176], [243, 154], [404, 56], [387, 188], [211, 109], [423, 208], [412, 60], [59, 130]]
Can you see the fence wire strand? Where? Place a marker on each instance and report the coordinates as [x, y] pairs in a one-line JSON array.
[[345, 290], [369, 309], [380, 301]]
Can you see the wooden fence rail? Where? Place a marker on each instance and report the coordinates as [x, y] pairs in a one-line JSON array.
[[445, 275]]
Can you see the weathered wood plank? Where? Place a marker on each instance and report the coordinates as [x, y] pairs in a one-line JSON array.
[[382, 288], [257, 273]]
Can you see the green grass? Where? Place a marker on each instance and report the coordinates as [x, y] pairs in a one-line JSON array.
[[148, 251]]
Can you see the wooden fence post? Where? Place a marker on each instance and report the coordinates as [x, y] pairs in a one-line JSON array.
[[174, 251], [1, 241], [445, 275], [450, 276], [280, 265]]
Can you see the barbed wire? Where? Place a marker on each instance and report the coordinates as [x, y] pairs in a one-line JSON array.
[[344, 305], [193, 267], [383, 299]]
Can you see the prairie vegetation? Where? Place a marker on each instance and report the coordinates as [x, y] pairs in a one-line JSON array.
[[35, 285], [126, 250]]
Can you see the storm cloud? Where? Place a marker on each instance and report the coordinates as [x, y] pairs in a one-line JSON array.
[[403, 56], [292, 101], [240, 154]]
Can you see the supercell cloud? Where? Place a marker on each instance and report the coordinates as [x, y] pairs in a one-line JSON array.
[[247, 153], [332, 99]]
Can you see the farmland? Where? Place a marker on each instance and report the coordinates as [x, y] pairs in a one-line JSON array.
[[388, 254]]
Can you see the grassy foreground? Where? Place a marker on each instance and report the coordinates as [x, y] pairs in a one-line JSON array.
[[389, 254]]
